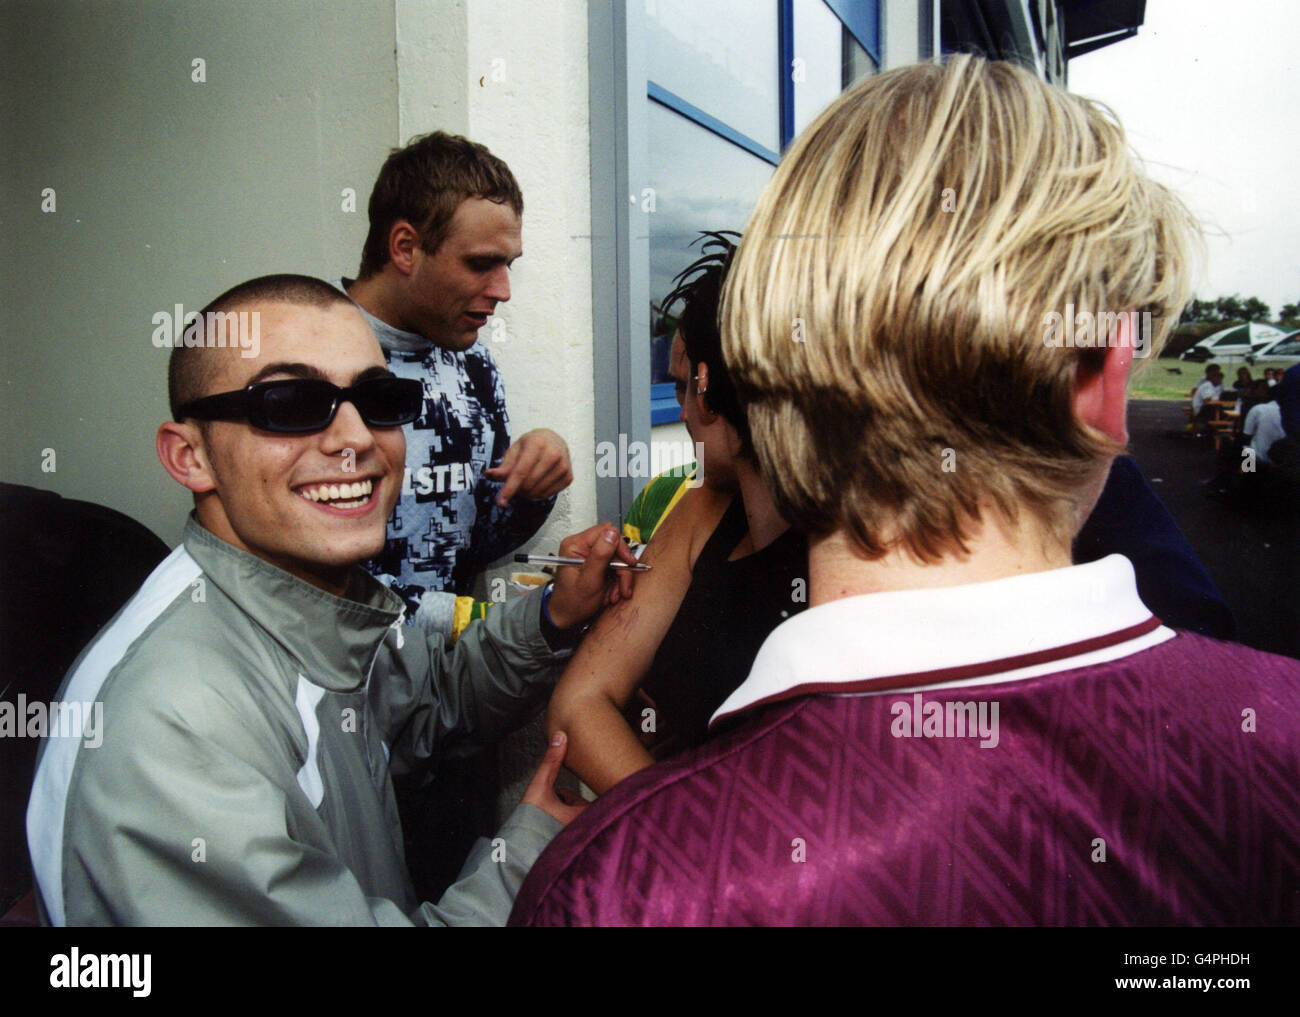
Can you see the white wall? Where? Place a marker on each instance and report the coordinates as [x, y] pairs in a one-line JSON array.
[[431, 80], [518, 84], [899, 40], [512, 74], [167, 191]]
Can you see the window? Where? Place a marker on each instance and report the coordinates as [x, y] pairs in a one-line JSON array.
[[729, 85], [692, 103], [699, 181], [721, 57]]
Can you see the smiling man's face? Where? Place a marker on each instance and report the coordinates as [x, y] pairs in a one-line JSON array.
[[452, 292], [311, 504]]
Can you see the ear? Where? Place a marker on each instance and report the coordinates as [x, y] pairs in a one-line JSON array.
[[1101, 392], [181, 451], [403, 241], [707, 416]]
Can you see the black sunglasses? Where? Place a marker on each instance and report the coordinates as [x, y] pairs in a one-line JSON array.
[[303, 405]]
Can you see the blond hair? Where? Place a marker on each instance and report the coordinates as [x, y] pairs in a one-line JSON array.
[[883, 319]]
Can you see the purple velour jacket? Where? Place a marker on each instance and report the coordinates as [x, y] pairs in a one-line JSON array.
[[1161, 788]]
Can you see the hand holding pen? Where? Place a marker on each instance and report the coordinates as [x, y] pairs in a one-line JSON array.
[[580, 592]]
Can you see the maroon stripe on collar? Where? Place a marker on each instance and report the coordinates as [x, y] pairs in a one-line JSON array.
[[958, 672]]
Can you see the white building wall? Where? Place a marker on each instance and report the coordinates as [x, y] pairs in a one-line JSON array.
[[899, 38], [430, 43], [512, 74], [528, 103]]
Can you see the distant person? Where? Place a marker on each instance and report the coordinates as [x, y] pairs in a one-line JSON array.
[[1288, 397], [1257, 392], [1285, 451], [1207, 392], [1245, 462], [962, 721], [1263, 426]]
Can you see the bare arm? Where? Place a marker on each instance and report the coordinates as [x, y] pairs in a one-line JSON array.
[[615, 656]]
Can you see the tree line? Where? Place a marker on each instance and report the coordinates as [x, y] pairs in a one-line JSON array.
[[1235, 308]]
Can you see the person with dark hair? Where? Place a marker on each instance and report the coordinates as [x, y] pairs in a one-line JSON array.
[[260, 689], [1285, 451], [1288, 399], [726, 570], [445, 227]]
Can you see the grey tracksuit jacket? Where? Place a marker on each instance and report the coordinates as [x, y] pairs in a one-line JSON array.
[[238, 769]]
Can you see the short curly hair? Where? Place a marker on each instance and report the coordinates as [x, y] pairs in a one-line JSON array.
[[424, 183]]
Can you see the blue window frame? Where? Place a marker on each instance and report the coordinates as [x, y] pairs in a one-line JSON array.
[[861, 21], [661, 95]]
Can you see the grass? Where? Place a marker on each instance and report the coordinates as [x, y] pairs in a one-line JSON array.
[[1172, 379]]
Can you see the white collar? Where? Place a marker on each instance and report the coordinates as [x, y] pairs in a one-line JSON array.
[[945, 637]]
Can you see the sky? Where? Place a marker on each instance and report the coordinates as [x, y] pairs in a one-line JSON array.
[[1210, 96]]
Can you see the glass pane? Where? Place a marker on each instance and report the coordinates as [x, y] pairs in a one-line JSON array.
[[857, 61], [719, 55], [817, 50], [925, 29], [697, 182]]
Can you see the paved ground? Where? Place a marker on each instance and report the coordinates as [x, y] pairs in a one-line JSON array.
[[1253, 554]]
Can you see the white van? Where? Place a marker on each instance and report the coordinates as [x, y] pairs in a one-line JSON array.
[[1286, 349], [1235, 341]]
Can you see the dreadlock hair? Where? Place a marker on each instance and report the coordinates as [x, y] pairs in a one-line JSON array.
[[699, 286]]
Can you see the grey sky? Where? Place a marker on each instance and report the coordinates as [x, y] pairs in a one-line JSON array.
[[1209, 94]]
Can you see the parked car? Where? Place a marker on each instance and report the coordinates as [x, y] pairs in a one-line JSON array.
[[1286, 349], [1235, 341]]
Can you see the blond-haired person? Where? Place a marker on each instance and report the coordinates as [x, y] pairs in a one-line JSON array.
[[961, 717]]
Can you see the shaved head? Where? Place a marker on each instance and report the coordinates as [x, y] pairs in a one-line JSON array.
[[190, 369]]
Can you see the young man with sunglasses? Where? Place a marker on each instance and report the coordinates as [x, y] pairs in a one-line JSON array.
[[260, 688]]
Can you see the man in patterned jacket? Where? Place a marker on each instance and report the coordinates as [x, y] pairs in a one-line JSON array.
[[445, 227], [963, 727]]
